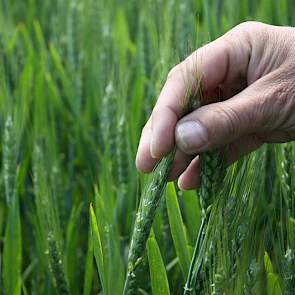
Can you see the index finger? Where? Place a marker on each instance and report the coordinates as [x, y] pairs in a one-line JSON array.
[[207, 66], [220, 62]]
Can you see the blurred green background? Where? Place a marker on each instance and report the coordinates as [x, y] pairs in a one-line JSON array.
[[78, 80]]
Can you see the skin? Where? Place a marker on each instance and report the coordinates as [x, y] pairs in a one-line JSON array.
[[247, 80]]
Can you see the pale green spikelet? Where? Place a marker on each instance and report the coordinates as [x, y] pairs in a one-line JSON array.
[[109, 119], [122, 154], [37, 168], [9, 161], [287, 175], [212, 174], [122, 173]]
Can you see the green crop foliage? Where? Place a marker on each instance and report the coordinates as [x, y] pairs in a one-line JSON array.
[[78, 80]]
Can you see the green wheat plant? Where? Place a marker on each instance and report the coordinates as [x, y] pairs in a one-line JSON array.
[[78, 81], [212, 174], [144, 219], [152, 196]]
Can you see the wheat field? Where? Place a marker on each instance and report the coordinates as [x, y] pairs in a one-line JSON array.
[[78, 79]]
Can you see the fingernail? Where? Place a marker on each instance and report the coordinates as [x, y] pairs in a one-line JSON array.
[[191, 136], [156, 148]]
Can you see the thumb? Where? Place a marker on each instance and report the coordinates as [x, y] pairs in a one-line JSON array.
[[218, 124]]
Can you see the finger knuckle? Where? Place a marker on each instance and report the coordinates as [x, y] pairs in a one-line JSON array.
[[251, 32], [173, 72], [249, 26], [230, 119], [280, 92], [233, 119], [258, 107], [283, 105], [241, 36], [274, 105]]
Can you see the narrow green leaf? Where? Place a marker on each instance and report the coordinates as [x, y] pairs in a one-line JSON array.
[[71, 261], [192, 214], [267, 263], [177, 229], [97, 246], [158, 275], [12, 252], [88, 277], [273, 285]]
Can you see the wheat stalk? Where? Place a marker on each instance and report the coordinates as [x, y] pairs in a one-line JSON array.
[[144, 218], [212, 174]]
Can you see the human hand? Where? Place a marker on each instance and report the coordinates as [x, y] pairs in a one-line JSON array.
[[248, 77]]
